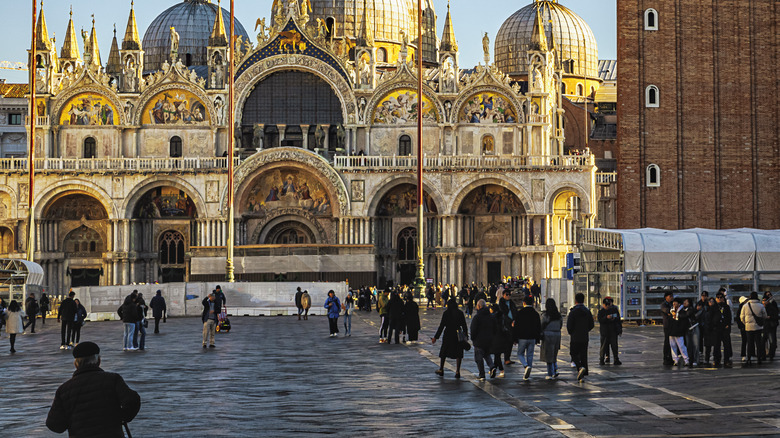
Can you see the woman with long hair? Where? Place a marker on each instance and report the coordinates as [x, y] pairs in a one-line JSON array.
[[552, 322], [81, 315], [452, 320], [13, 322]]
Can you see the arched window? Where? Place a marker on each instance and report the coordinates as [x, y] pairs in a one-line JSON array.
[[188, 59], [381, 55], [171, 248], [407, 244], [653, 176], [651, 96], [90, 147], [405, 145], [651, 19], [175, 147], [580, 90], [330, 23], [563, 87]]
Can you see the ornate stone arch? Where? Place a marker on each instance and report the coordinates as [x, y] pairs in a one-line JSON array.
[[140, 190], [63, 99], [465, 95], [383, 90], [152, 92], [314, 162], [253, 75], [391, 182], [12, 209], [517, 190], [556, 190], [75, 186], [297, 214]]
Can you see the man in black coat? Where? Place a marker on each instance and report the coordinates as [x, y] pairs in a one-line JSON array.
[[610, 328], [93, 402], [67, 314], [159, 310], [298, 296], [770, 326], [578, 324], [44, 308], [719, 321], [666, 308], [509, 313], [483, 328], [31, 309], [528, 333]]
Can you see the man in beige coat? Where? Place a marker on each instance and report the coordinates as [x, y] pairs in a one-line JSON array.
[[753, 312]]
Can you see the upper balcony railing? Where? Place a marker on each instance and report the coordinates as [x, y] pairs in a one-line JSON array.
[[39, 120], [454, 162], [116, 164], [606, 177]]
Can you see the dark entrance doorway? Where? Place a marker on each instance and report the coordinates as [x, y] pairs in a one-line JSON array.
[[407, 272], [494, 272], [84, 277]]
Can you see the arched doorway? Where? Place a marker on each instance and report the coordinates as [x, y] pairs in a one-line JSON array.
[[173, 266], [283, 107], [566, 221], [86, 244], [289, 232], [407, 255], [491, 221], [7, 242]]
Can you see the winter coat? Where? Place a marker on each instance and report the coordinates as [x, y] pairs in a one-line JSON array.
[[381, 303], [395, 311], [747, 315], [528, 325], [451, 320], [502, 338], [81, 315], [93, 403], [204, 316], [334, 307], [772, 314], [13, 322], [718, 318], [306, 301], [31, 307], [666, 307], [158, 306], [67, 309], [551, 338], [129, 311], [679, 324], [298, 296], [483, 328], [44, 304], [609, 327], [412, 316], [579, 323]]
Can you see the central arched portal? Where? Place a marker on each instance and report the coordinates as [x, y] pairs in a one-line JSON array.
[[292, 108]]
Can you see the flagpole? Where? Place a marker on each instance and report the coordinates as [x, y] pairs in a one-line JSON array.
[[231, 136], [419, 281], [31, 154]]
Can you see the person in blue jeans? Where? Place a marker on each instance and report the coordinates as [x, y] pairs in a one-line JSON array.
[[349, 305], [333, 305], [528, 332], [130, 315]]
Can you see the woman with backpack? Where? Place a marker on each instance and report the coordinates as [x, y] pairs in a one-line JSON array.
[[552, 322]]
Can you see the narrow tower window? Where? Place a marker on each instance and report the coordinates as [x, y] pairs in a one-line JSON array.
[[653, 176], [651, 96], [651, 19]]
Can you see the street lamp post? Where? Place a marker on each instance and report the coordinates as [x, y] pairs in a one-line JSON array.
[[419, 280], [31, 155], [229, 268]]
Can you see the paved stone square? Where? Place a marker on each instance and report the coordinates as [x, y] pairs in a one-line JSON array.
[[276, 376]]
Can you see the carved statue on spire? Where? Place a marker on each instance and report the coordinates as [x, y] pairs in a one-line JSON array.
[[486, 47], [174, 44]]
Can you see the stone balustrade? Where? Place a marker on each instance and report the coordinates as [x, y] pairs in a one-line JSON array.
[[116, 164], [457, 162], [606, 177]]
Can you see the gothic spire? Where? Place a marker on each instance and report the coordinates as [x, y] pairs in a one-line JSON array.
[[448, 42], [43, 43], [132, 41], [94, 49], [218, 36], [114, 65], [366, 37], [538, 38], [70, 48]]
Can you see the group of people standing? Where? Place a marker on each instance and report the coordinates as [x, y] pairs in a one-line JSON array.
[[133, 313], [496, 328], [696, 332], [399, 318]]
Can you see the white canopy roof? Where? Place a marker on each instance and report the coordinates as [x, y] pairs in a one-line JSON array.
[[655, 250], [12, 270]]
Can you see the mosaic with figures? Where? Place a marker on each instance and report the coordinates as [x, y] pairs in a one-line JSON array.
[[287, 188], [487, 108], [175, 107], [89, 109], [401, 106], [491, 199], [402, 201]]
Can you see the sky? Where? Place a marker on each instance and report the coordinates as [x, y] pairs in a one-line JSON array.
[[470, 19]]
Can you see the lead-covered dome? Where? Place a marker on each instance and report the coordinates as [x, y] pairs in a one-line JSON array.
[[193, 21], [571, 35]]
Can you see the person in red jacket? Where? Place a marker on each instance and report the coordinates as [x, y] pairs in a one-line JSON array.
[[93, 402]]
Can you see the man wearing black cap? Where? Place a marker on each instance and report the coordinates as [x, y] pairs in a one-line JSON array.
[[93, 402]]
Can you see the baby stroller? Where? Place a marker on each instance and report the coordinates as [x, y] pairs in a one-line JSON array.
[[223, 323]]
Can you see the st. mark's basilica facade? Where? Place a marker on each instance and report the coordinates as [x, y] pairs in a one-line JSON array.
[[131, 156]]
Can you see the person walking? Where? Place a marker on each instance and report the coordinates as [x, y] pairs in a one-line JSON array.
[[770, 326], [679, 326], [666, 308], [753, 317], [552, 323], [220, 296], [395, 313], [483, 328], [384, 321], [348, 307], [93, 402], [13, 322], [508, 312], [306, 304], [429, 296], [159, 310], [31, 309], [44, 308], [333, 305], [128, 313], [211, 309], [501, 337], [579, 323], [66, 315], [452, 321], [412, 318], [298, 305], [139, 342], [528, 333], [78, 322], [719, 321], [741, 326], [610, 327]]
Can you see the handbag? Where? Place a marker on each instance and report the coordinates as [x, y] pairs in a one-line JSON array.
[[759, 320], [463, 340]]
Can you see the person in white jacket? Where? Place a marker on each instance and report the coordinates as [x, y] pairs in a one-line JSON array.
[[752, 313], [13, 322]]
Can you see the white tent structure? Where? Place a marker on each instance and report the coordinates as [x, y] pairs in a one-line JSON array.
[[19, 277], [637, 266]]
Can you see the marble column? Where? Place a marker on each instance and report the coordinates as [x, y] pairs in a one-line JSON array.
[[305, 133]]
